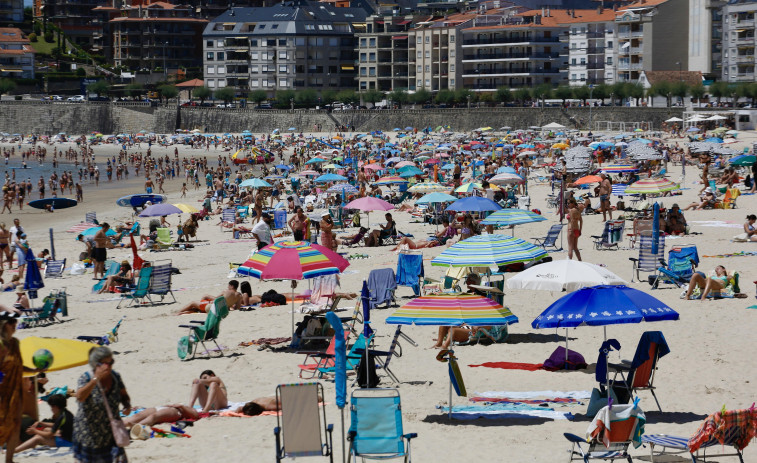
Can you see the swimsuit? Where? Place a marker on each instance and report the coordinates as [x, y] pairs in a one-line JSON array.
[[202, 306]]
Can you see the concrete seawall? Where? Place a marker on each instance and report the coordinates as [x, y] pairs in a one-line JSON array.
[[76, 118]]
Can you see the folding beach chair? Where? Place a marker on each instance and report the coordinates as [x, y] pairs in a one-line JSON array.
[[317, 359], [382, 283], [729, 199], [357, 241], [551, 238], [610, 434], [163, 240], [54, 268], [682, 261], [228, 218], [356, 352], [242, 211], [640, 227], [383, 358], [410, 271], [301, 429], [160, 284], [639, 373], [42, 316], [612, 235], [140, 292], [376, 430], [109, 338], [647, 261], [111, 268], [91, 217], [201, 332], [731, 428]]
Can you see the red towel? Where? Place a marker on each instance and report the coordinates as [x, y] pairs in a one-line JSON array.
[[512, 366]]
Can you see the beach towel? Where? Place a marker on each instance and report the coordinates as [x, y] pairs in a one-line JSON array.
[[556, 400], [56, 452], [465, 412], [262, 341], [719, 426], [511, 366], [381, 283], [618, 424], [324, 288], [410, 270], [535, 394]]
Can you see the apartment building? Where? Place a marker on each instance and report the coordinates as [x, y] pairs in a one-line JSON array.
[[382, 52], [739, 41], [300, 44], [158, 35], [592, 40], [11, 11], [523, 50], [16, 54]]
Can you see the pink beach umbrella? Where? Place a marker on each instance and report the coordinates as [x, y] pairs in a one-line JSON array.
[[369, 204]]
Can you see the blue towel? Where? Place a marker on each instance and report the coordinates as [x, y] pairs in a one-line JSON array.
[[410, 270], [279, 219], [381, 283]]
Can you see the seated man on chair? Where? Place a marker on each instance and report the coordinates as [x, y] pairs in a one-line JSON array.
[[230, 294]]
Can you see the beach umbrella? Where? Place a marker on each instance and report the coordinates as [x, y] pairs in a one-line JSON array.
[[67, 353], [506, 178], [283, 167], [428, 187], [308, 173], [720, 130], [389, 180], [714, 140], [369, 203], [33, 278], [469, 187], [652, 186], [563, 275], [512, 217], [410, 171], [506, 170], [332, 166], [618, 168], [561, 146], [693, 129], [97, 228], [186, 208], [159, 210], [588, 179], [452, 310], [255, 183], [744, 160], [488, 250], [474, 204], [331, 178], [437, 197], [674, 119], [619, 189], [293, 260], [403, 164], [315, 161], [342, 188]]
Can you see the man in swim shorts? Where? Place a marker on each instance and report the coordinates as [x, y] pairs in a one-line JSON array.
[[605, 188], [232, 296]]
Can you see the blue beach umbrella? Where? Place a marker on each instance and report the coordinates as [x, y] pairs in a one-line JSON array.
[[330, 178], [33, 280], [255, 183], [436, 197], [283, 167], [474, 204], [342, 188], [512, 217], [506, 170], [93, 230], [714, 140]]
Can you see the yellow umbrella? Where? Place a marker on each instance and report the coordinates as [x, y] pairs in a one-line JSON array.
[[560, 146], [67, 353], [186, 208]]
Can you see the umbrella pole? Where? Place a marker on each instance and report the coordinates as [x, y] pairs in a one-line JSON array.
[[343, 443], [449, 415], [566, 348], [52, 245], [294, 285]]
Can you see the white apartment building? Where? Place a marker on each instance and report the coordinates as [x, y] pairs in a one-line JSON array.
[[592, 39], [739, 41]]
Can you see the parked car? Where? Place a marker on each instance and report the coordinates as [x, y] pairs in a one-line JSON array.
[[99, 98], [190, 103], [56, 98], [76, 98], [264, 106]]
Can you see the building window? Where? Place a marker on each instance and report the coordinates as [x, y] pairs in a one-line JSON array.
[[428, 39], [221, 69], [309, 27], [572, 77], [362, 43], [363, 71], [220, 56], [261, 27], [254, 83], [428, 83], [451, 39], [583, 61], [254, 56], [363, 57], [428, 54], [283, 83], [254, 69], [573, 61], [428, 68], [372, 42], [420, 54], [299, 41], [363, 85], [419, 40], [209, 43], [210, 56], [452, 53], [282, 42], [282, 55], [211, 83], [419, 84], [254, 42], [219, 43], [283, 68], [609, 44], [420, 69], [452, 82], [609, 60], [372, 71], [221, 83], [451, 68], [274, 26], [211, 70], [371, 57]]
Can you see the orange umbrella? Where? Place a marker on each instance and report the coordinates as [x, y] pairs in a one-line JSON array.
[[588, 179]]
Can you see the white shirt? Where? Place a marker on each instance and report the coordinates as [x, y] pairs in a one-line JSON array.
[[263, 232], [13, 230]]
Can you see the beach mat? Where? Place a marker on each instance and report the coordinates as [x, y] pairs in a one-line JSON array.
[[508, 411], [512, 366]]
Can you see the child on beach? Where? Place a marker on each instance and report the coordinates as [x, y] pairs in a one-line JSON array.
[[56, 432]]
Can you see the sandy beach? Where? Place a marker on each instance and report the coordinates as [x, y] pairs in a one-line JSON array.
[[711, 363]]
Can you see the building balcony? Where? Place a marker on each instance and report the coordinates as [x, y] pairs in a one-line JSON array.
[[509, 40], [595, 65], [746, 77], [745, 24], [595, 50], [744, 59], [630, 66], [508, 56], [743, 40], [507, 72]]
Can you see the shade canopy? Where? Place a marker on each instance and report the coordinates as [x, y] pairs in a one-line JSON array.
[[487, 250], [452, 310], [652, 186], [255, 183], [186, 208], [604, 305], [331, 178], [563, 275], [369, 203], [506, 178], [433, 198], [428, 187], [293, 260]]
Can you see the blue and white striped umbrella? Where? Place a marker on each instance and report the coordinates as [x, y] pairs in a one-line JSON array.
[[619, 189], [342, 187], [487, 250], [512, 217]]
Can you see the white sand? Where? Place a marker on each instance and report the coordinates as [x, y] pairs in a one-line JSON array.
[[711, 363]]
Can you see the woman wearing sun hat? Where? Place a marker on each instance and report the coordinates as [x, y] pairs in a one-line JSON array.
[[12, 368]]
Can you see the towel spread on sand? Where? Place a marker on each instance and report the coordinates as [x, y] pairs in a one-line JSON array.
[[556, 400], [512, 366], [261, 341], [535, 394], [472, 412]]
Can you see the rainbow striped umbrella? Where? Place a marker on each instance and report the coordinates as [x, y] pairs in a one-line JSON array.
[[293, 260], [452, 310], [389, 180], [487, 250], [428, 187], [618, 169], [469, 187], [651, 186]]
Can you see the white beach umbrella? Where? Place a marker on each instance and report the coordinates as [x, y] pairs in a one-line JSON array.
[[563, 275]]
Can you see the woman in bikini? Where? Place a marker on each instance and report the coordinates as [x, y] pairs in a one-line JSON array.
[[447, 233], [165, 414], [708, 284], [5, 250]]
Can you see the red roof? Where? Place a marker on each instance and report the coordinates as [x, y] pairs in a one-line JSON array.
[[12, 35], [191, 83]]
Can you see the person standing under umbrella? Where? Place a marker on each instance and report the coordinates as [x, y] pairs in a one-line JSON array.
[[575, 226]]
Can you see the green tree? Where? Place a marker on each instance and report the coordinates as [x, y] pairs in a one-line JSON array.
[[225, 94], [620, 92], [486, 98], [463, 95], [635, 91], [135, 90], [421, 96], [348, 97], [328, 96], [445, 97], [372, 96], [719, 90], [81, 72], [697, 91], [49, 37], [282, 98], [503, 95], [37, 29], [306, 98], [203, 93], [664, 89], [563, 93], [100, 87], [582, 93], [523, 95], [6, 86], [168, 91], [680, 90], [600, 92], [33, 37], [399, 97], [542, 92]]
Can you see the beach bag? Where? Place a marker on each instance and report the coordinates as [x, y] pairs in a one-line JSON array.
[[557, 361], [367, 377], [77, 269], [741, 238], [272, 296], [120, 434], [598, 400]]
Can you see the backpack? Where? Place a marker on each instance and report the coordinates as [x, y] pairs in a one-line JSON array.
[[367, 377]]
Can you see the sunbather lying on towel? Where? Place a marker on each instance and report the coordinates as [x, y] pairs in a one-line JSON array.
[[165, 414], [260, 405], [438, 239], [230, 294]]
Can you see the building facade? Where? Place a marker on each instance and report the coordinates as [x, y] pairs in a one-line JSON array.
[[382, 52], [288, 46], [11, 11], [16, 54], [158, 35], [739, 41], [592, 39]]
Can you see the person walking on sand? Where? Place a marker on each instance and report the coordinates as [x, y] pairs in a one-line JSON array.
[[605, 188], [5, 248], [210, 391], [575, 225], [149, 185]]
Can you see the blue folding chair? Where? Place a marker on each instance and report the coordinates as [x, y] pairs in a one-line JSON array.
[[551, 238], [376, 425], [682, 260], [648, 261]]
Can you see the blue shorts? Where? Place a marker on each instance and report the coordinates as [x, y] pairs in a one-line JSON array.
[[149, 189], [60, 442]]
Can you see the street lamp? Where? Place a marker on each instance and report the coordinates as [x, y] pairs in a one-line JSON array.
[[591, 91], [468, 98]]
